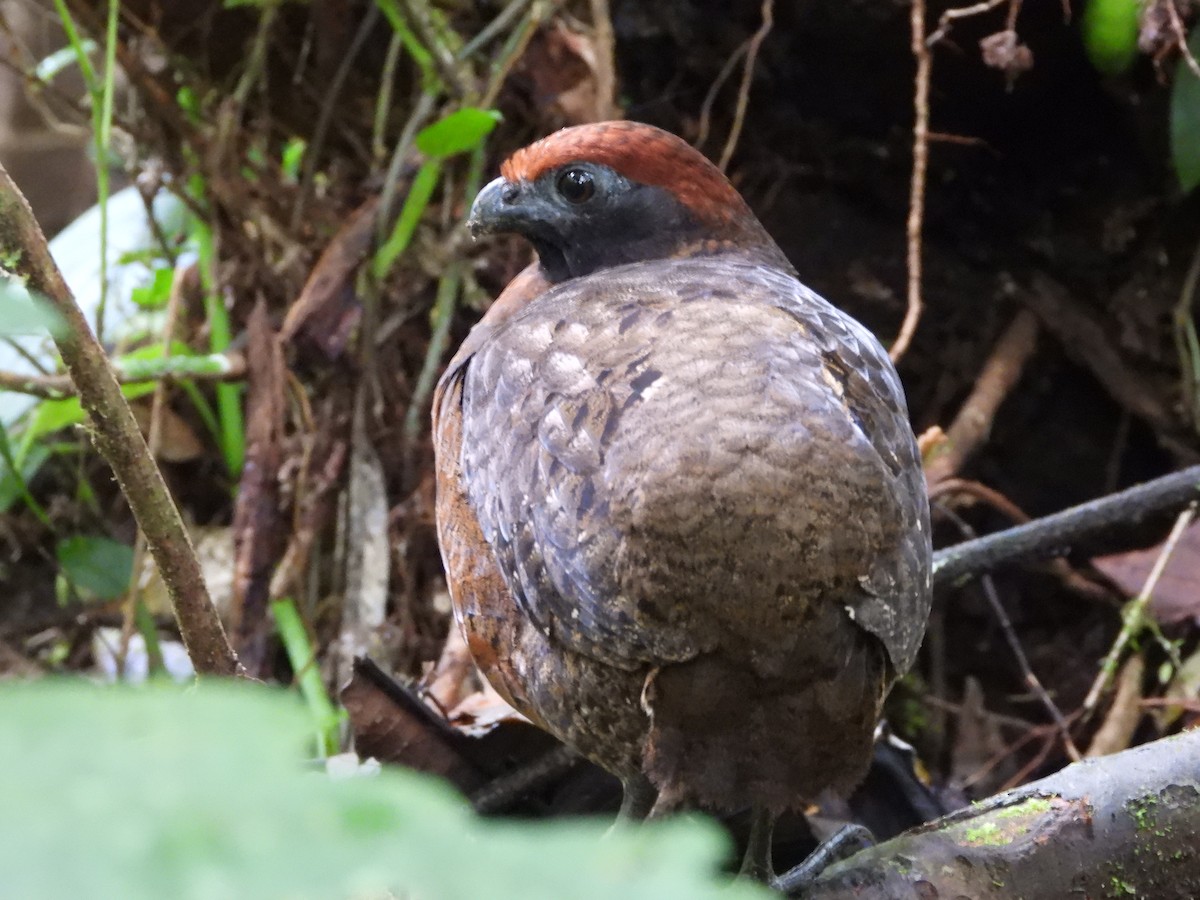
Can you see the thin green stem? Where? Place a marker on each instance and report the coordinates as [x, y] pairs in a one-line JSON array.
[[229, 401], [300, 653], [103, 130], [18, 477]]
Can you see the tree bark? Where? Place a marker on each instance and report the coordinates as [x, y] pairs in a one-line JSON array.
[[1120, 826]]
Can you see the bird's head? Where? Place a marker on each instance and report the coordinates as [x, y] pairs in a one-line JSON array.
[[609, 193]]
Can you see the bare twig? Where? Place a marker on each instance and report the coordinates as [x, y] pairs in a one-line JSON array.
[[493, 28], [133, 598], [1014, 643], [997, 379], [514, 47], [1061, 568], [1046, 733], [950, 16], [1052, 534], [915, 225], [1181, 36], [710, 98], [980, 492], [1135, 611], [116, 435], [214, 367], [454, 71], [920, 165], [1192, 706], [328, 105], [1119, 725], [606, 76], [1187, 343], [743, 98]]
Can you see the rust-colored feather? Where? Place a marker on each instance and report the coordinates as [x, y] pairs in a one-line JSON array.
[[641, 153]]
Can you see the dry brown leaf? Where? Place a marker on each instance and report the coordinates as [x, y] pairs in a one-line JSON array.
[[482, 711], [177, 441], [561, 67], [328, 309], [1176, 597], [393, 726], [454, 675], [1004, 51]]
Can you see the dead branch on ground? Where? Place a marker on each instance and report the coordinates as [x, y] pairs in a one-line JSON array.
[[1121, 824]]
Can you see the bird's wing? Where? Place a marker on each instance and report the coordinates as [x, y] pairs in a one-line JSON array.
[[650, 451], [483, 605], [896, 591]]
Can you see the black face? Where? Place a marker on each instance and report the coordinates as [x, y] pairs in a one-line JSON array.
[[581, 217]]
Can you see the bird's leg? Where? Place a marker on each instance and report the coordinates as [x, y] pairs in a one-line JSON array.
[[638, 798], [756, 863], [842, 844]]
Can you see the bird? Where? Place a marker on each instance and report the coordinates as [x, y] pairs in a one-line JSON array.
[[680, 506]]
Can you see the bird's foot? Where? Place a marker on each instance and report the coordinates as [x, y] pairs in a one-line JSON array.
[[844, 843]]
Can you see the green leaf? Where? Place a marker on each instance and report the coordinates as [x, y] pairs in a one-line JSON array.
[[98, 566], [24, 313], [160, 792], [1110, 33], [1185, 120], [156, 294], [307, 671], [419, 193], [13, 484], [192, 108], [293, 156], [55, 415], [421, 56], [458, 132]]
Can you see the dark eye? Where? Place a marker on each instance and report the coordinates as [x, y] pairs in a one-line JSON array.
[[576, 185]]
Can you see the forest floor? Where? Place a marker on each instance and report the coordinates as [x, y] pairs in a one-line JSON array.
[[1059, 261]]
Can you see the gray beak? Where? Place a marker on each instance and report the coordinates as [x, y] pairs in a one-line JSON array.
[[496, 209]]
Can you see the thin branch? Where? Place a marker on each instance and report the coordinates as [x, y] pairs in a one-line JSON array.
[[1120, 723], [211, 367], [493, 28], [454, 71], [514, 48], [328, 104], [1054, 534], [980, 492], [715, 88], [1187, 342], [116, 435], [1018, 651], [920, 164], [1134, 618], [1061, 568], [743, 99], [1181, 36], [995, 382], [606, 75], [950, 16]]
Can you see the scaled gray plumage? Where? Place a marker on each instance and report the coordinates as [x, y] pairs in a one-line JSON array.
[[698, 479]]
